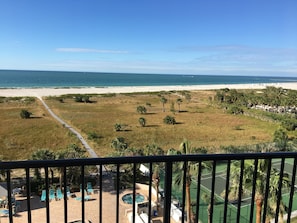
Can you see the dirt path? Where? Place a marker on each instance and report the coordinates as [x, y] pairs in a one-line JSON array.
[[76, 133]]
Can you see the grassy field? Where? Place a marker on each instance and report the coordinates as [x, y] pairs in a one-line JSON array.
[[199, 121], [20, 137]]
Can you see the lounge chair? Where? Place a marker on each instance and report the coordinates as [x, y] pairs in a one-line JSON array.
[[86, 198], [4, 212], [69, 194], [90, 188], [43, 195], [59, 194], [52, 194]]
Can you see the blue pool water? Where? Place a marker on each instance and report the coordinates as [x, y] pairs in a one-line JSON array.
[[128, 198]]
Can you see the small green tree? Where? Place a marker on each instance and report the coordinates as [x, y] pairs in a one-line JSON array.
[[163, 101], [119, 144], [235, 110], [281, 140], [82, 98], [117, 127], [188, 97], [169, 120], [42, 154], [172, 109], [25, 114], [141, 109], [179, 101], [142, 121]]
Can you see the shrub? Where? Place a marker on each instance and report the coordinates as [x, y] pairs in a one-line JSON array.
[[119, 144], [117, 127], [25, 114], [235, 110], [82, 98], [289, 124], [93, 135], [141, 109], [142, 121], [169, 120]]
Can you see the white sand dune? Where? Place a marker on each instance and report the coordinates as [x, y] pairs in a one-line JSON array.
[[40, 92]]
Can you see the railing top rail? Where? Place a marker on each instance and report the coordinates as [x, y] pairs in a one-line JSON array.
[[142, 159]]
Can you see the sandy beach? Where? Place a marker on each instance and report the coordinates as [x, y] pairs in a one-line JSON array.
[[41, 92]]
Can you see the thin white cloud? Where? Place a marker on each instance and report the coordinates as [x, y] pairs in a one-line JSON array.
[[89, 50]]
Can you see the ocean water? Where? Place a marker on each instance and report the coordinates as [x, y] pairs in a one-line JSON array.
[[62, 79]]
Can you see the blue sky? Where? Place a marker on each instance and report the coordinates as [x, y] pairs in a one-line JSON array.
[[252, 37]]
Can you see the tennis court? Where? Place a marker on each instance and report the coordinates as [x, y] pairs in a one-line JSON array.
[[219, 189]]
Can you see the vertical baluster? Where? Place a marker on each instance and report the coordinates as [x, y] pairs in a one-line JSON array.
[[185, 166], [150, 191], [266, 189], [118, 192], [28, 193], [65, 194], [240, 190], [293, 179], [212, 190], [8, 182], [279, 190], [168, 191], [254, 190], [82, 192], [198, 191], [47, 195], [227, 191], [100, 193], [134, 192]]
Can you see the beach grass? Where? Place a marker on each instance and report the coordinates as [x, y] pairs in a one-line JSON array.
[[20, 137], [200, 121]]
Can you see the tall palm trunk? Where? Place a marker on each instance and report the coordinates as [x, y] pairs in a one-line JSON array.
[[208, 213], [259, 203], [61, 175], [157, 191], [188, 202]]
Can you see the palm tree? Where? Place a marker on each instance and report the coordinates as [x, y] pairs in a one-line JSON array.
[[42, 154], [281, 140], [273, 192], [61, 155], [259, 184], [207, 199], [156, 181], [73, 152], [163, 101], [179, 101], [153, 150], [191, 171], [119, 144]]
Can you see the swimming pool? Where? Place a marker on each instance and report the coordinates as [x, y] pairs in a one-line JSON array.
[[128, 198]]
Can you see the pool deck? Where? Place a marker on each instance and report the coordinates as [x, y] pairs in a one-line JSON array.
[[74, 207]]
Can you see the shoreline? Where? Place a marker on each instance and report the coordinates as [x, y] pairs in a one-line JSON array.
[[42, 92]]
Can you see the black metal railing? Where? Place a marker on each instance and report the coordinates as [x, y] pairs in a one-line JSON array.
[[251, 187]]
